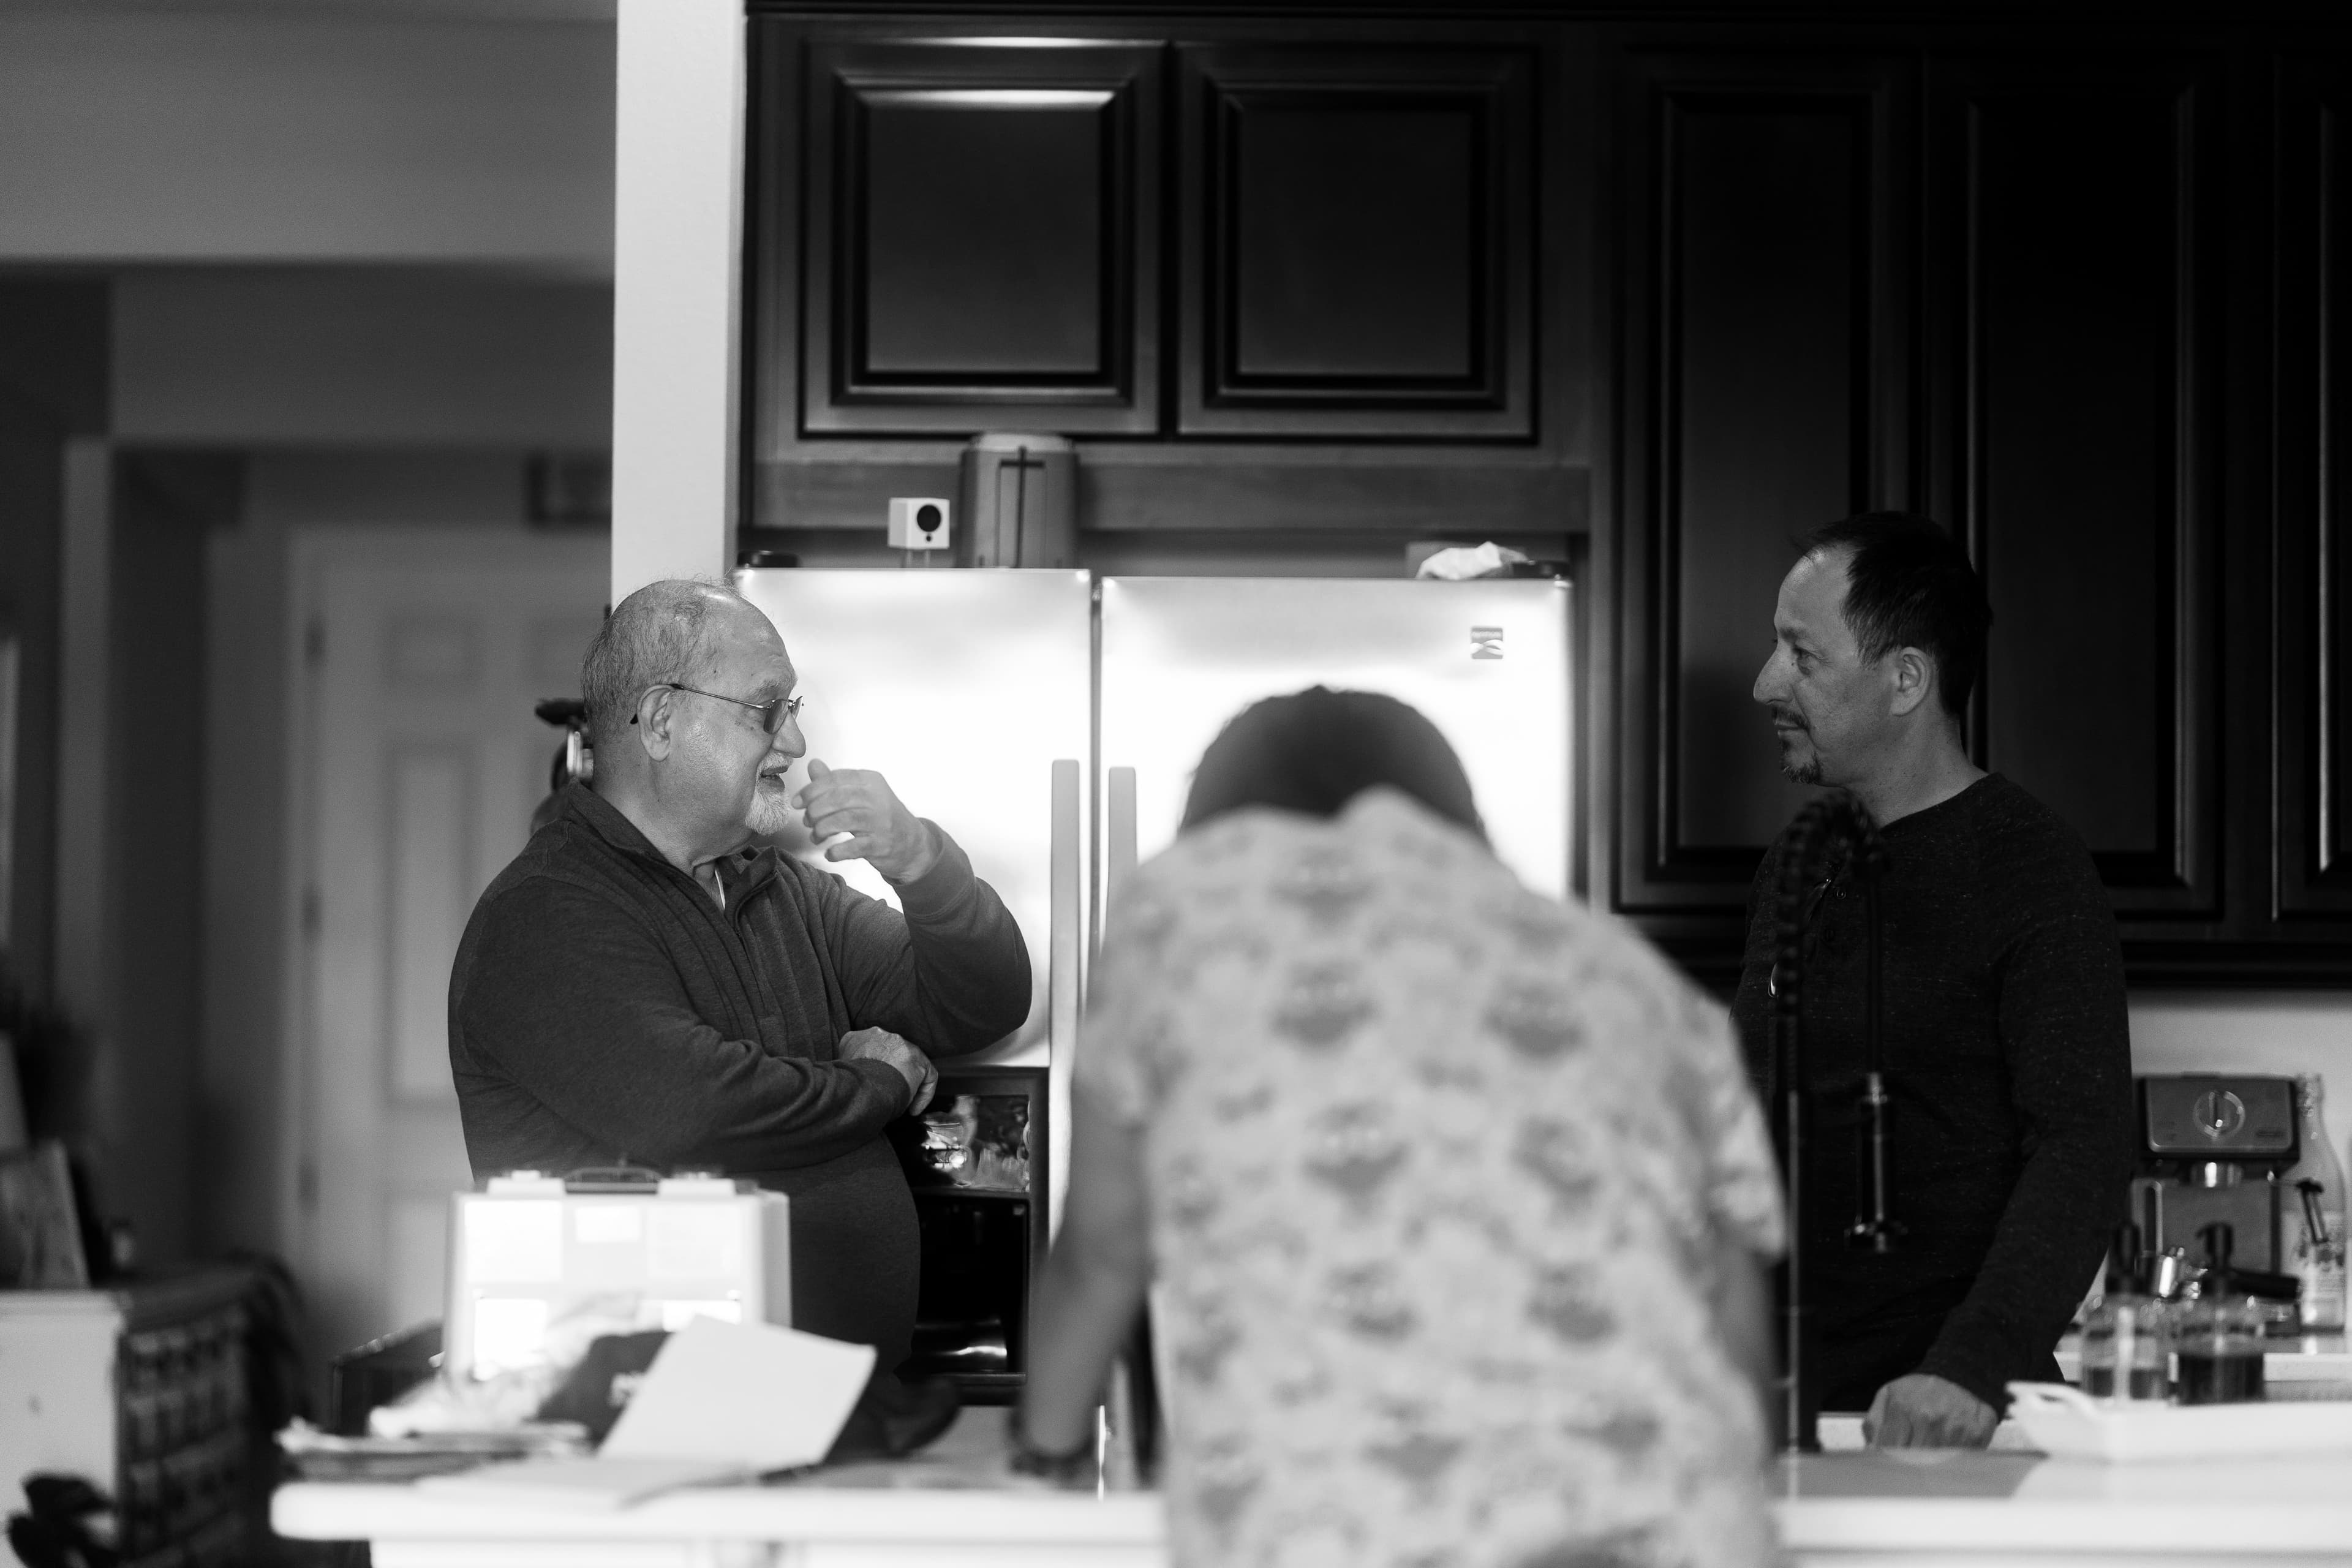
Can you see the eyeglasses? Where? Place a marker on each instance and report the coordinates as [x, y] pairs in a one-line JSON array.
[[772, 712]]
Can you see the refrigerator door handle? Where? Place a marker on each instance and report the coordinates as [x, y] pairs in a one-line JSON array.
[[1067, 920], [1122, 852], [1067, 931]]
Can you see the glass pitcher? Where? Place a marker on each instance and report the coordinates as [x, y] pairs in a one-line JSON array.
[[2218, 1343], [2126, 1349]]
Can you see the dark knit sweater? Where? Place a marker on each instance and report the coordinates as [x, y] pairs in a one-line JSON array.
[[602, 1006], [2009, 1061]]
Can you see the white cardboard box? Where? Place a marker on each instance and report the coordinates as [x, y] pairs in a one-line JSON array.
[[526, 1254]]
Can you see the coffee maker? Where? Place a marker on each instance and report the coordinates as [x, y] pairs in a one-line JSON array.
[[2212, 1148]]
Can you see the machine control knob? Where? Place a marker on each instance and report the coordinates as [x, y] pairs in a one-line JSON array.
[[2220, 1115]]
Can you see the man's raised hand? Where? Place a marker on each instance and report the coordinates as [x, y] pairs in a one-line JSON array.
[[882, 832]]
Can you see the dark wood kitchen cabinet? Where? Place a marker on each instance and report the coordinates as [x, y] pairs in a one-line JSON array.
[[1981, 282], [2309, 885], [2074, 292], [958, 233], [1763, 350], [1356, 226], [978, 240]]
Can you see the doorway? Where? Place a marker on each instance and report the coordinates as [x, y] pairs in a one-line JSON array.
[[417, 762]]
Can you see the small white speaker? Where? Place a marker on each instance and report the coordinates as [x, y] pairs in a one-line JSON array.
[[918, 522]]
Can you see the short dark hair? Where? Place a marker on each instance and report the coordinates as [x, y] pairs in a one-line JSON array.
[[1908, 584], [1315, 751]]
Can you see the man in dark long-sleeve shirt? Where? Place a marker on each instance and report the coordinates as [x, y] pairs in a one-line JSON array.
[[2006, 1052], [644, 983]]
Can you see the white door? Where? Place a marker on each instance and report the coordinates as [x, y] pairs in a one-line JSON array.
[[419, 762]]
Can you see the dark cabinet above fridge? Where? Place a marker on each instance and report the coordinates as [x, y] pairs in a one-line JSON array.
[[981, 238], [1354, 226], [1337, 243]]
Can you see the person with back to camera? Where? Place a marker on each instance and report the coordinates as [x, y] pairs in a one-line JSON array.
[[1456, 1196], [645, 982], [2007, 1047]]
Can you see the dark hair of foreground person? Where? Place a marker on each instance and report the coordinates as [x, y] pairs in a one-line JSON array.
[[1313, 750]]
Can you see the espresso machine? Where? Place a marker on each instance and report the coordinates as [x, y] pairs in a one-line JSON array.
[[2212, 1149]]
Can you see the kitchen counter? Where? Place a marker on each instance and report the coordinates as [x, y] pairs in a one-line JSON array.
[[955, 1505], [936, 1508], [2014, 1506], [2015, 1509], [833, 1523]]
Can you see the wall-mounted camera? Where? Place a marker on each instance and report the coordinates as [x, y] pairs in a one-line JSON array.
[[918, 523]]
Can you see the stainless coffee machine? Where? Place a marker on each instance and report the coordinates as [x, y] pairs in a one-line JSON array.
[[2212, 1148]]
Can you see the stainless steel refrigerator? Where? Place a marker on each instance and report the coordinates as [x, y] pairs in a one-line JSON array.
[[1003, 703], [1486, 661], [971, 690], [1007, 704]]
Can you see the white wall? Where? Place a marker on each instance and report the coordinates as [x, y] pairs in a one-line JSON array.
[[130, 137], [678, 150], [2283, 1032]]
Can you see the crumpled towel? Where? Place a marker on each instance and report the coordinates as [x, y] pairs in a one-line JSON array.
[[1463, 562]]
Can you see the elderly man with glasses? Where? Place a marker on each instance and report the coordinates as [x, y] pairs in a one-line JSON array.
[[648, 983]]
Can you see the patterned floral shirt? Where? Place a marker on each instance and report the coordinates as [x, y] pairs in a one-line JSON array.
[[1440, 1173]]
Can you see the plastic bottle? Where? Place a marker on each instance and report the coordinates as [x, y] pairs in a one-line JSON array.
[[2314, 1195]]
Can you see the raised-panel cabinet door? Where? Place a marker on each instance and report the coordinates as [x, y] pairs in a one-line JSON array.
[[1356, 234], [2075, 286], [1762, 363], [2312, 592], [978, 239]]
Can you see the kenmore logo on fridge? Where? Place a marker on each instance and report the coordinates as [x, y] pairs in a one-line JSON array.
[[1486, 642]]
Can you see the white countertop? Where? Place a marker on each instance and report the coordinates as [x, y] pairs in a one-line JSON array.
[[1834, 1508], [932, 1508], [918, 1510], [1954, 1506], [1985, 1505]]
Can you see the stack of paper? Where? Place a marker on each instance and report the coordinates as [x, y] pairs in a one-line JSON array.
[[721, 1402]]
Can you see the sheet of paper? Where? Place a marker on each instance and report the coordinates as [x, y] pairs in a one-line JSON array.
[[750, 1394]]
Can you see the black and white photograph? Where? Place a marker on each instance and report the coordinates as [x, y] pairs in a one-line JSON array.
[[1175, 783]]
